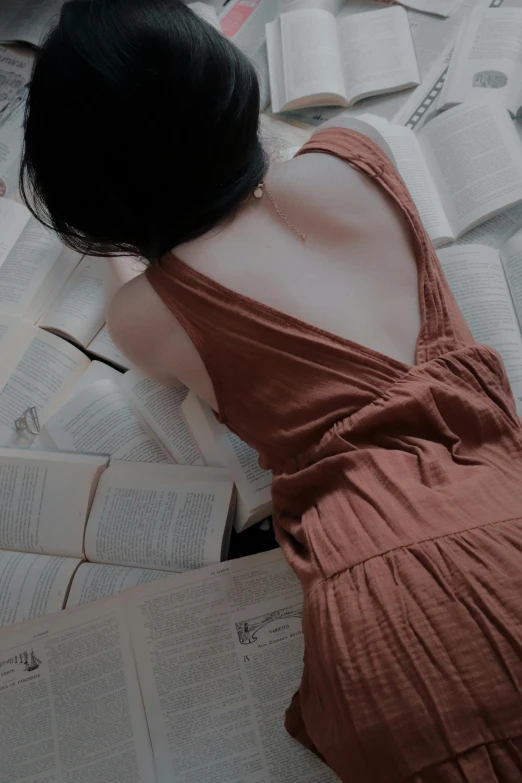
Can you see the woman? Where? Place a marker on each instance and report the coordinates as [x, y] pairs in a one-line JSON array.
[[306, 305]]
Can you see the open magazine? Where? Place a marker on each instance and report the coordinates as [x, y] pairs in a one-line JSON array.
[[461, 168], [487, 284], [317, 60], [26, 21], [59, 509], [183, 680], [487, 57]]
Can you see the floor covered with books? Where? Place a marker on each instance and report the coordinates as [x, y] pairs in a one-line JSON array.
[[126, 502]]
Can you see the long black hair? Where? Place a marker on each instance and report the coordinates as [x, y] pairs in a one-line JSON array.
[[141, 127]]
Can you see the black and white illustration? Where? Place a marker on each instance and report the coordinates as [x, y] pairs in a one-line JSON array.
[[248, 630], [27, 660], [490, 80]]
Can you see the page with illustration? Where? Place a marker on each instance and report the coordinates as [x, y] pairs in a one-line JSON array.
[[477, 279], [219, 653], [475, 158], [15, 72], [70, 702], [45, 500], [43, 376], [377, 53], [487, 57], [161, 407], [165, 517], [79, 308], [305, 60], [32, 585], [417, 177], [101, 419]]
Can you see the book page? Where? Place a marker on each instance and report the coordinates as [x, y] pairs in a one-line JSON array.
[[70, 703], [219, 654], [13, 219], [101, 420], [511, 256], [333, 6], [80, 307], [93, 581], [160, 406], [311, 57], [475, 157], [476, 277], [26, 267], [45, 500], [43, 376], [15, 336], [276, 66], [32, 585], [416, 175], [27, 20], [103, 346], [377, 53], [495, 231], [442, 8], [242, 462], [169, 517], [15, 71], [487, 57]]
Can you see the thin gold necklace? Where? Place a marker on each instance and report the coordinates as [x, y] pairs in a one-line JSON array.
[[258, 193]]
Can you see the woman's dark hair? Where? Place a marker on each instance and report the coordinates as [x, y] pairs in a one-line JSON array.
[[141, 127]]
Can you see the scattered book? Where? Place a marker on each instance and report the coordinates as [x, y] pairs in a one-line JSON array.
[[26, 21], [461, 168], [487, 285], [222, 448], [442, 8], [317, 60], [185, 679], [129, 417], [59, 509], [133, 418], [487, 58], [51, 286]]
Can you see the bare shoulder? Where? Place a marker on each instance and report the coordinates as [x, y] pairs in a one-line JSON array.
[[153, 340]]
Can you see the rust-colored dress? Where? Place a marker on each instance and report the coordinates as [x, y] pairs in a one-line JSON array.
[[398, 502]]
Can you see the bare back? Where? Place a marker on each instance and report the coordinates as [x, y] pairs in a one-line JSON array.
[[354, 276]]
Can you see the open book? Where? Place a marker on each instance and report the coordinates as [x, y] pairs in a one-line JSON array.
[[58, 509], [221, 447], [487, 285], [51, 286], [487, 57], [131, 417], [185, 680], [463, 167], [26, 21], [317, 60]]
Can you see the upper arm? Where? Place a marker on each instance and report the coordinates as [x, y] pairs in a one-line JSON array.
[[352, 123], [148, 334]]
